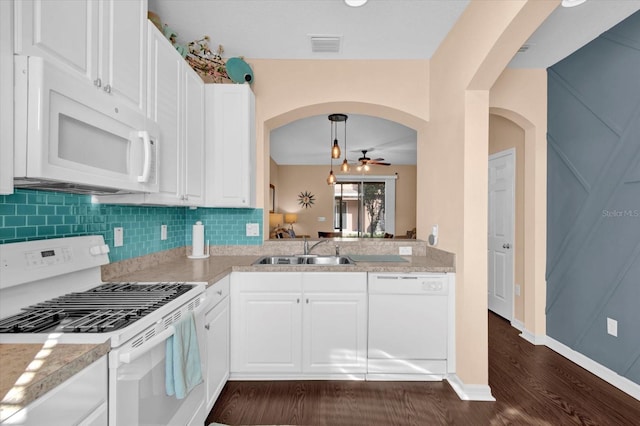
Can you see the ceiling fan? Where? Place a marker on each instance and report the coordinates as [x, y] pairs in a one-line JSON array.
[[365, 161]]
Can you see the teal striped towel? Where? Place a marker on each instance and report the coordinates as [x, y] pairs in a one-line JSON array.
[[182, 365]]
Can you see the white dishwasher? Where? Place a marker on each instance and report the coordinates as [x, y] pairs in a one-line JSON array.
[[410, 326]]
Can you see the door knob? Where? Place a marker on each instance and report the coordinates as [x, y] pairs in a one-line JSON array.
[[506, 246]]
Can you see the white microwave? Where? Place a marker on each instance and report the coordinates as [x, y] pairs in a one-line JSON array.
[[70, 137]]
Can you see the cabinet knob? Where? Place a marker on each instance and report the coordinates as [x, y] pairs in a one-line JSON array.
[[107, 88], [298, 300], [307, 301], [219, 292], [97, 82], [207, 326], [506, 246]]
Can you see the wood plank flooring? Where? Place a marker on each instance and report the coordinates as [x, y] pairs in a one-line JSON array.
[[532, 385]]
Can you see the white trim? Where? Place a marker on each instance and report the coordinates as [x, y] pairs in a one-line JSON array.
[[518, 325], [534, 339], [606, 374], [470, 392]]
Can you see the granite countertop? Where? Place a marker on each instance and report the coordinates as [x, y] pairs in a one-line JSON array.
[[31, 370], [214, 268]]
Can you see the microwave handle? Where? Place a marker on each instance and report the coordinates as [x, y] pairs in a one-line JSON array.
[[146, 168]]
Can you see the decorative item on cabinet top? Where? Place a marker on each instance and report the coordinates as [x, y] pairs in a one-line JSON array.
[[210, 66]]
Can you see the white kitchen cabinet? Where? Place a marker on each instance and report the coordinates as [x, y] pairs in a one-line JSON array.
[[104, 41], [334, 322], [80, 400], [230, 146], [298, 324], [217, 336], [176, 105], [6, 97], [266, 322]]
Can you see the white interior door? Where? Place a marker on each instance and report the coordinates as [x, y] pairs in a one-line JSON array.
[[501, 231]]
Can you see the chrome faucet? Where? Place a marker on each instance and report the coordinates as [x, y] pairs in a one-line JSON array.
[[307, 249]]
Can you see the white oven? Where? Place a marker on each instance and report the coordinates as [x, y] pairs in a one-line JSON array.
[[54, 286], [137, 388], [72, 138]]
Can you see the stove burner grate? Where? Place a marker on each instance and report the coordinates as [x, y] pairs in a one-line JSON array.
[[108, 307]]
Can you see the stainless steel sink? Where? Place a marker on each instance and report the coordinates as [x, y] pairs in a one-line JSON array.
[[304, 260]]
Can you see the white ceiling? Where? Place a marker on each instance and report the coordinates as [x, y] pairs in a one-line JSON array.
[[381, 29]]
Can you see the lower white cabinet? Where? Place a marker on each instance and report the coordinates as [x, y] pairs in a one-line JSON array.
[[81, 400], [288, 324], [217, 335]]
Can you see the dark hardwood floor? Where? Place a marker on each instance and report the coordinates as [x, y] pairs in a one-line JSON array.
[[532, 385]]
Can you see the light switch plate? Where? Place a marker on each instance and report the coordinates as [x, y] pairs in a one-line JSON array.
[[253, 230], [163, 232], [118, 236], [612, 327]]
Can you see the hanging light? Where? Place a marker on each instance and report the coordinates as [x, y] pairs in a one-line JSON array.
[[335, 148], [331, 179]]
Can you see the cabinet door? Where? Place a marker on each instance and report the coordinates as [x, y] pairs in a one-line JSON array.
[[123, 46], [193, 118], [267, 337], [217, 330], [62, 31], [165, 76], [230, 145], [335, 333]]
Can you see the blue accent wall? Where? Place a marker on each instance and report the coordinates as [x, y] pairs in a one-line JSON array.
[[593, 240], [35, 215]]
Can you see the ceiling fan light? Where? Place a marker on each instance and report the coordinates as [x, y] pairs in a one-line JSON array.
[[345, 166], [335, 150], [366, 167], [572, 3]]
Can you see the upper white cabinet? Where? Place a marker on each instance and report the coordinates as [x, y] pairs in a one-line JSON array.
[[105, 41], [6, 97], [230, 145], [176, 105]]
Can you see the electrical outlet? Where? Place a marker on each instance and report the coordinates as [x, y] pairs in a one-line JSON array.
[[612, 327], [253, 230], [118, 236], [321, 218], [517, 289], [405, 251], [163, 232]]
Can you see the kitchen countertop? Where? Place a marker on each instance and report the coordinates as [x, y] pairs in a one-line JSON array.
[[31, 370], [61, 361], [214, 268]]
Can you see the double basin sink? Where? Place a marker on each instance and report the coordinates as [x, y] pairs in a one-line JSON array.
[[305, 260]]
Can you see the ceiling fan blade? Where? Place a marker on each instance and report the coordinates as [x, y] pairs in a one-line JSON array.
[[377, 163]]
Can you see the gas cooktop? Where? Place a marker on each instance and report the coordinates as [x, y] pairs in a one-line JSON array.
[[107, 307]]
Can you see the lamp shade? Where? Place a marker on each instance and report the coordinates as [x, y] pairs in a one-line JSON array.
[[290, 218], [275, 219]]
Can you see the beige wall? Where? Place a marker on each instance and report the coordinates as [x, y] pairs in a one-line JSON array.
[[520, 95], [505, 134], [451, 93], [292, 180]]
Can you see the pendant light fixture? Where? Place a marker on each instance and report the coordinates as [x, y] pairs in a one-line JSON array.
[[335, 147]]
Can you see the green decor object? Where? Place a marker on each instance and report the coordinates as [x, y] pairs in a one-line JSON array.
[[306, 199], [239, 71]]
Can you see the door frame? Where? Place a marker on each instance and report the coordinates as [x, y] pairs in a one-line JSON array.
[[511, 153]]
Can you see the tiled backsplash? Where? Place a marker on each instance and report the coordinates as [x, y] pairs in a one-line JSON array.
[[36, 215]]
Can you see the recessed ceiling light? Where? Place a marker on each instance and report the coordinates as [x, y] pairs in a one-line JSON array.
[[355, 3], [572, 3]]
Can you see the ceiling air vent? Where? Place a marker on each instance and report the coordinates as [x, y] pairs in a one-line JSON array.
[[325, 43], [524, 48]]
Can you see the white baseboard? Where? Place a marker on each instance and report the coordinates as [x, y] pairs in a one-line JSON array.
[[534, 339], [470, 392], [606, 374], [518, 325]]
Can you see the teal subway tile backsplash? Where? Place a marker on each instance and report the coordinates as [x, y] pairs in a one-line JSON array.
[[34, 215]]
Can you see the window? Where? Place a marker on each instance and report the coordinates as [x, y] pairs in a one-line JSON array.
[[364, 206]]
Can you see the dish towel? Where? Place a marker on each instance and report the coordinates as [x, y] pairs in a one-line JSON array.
[[182, 369]]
